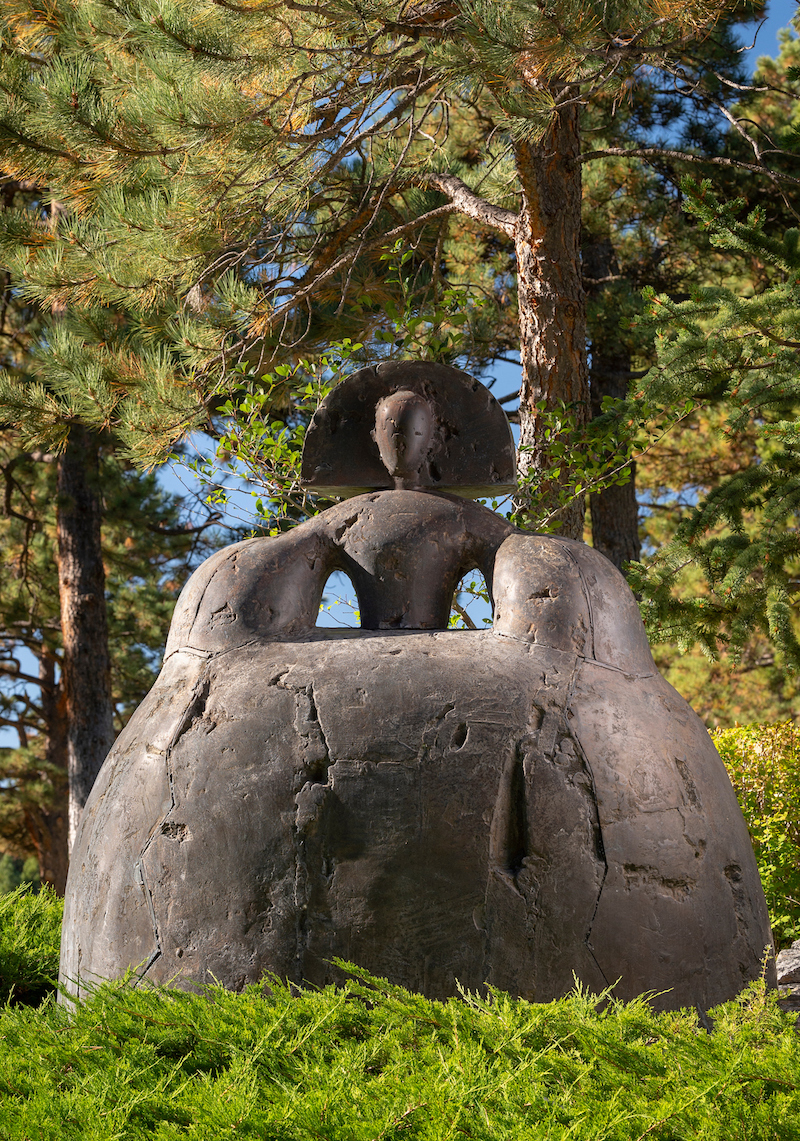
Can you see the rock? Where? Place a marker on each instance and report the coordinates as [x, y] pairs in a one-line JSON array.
[[788, 965]]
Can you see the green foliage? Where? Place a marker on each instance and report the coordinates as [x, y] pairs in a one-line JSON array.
[[224, 181], [265, 421], [742, 535], [9, 875], [30, 938], [261, 442], [724, 695], [15, 872], [588, 457], [370, 1060], [422, 324], [764, 765], [149, 548]]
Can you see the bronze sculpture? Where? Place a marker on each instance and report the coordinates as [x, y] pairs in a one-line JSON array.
[[518, 806]]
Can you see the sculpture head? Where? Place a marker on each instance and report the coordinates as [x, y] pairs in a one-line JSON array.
[[409, 424], [403, 432]]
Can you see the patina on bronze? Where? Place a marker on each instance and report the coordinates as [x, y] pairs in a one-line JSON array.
[[515, 806]]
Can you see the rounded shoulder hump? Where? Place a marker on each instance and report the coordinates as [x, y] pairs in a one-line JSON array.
[[259, 588], [190, 598], [564, 594]]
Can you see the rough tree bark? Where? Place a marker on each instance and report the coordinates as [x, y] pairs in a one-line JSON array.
[[84, 627], [552, 311], [48, 825], [614, 511]]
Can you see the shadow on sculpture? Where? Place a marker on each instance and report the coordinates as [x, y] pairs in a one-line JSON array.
[[515, 806]]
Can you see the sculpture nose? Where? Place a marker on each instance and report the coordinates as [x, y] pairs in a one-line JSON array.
[[403, 433]]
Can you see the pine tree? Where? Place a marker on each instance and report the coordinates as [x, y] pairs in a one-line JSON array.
[[76, 699], [742, 535], [85, 713], [231, 178], [726, 576], [148, 551]]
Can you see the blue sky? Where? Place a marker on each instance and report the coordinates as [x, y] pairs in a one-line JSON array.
[[779, 13]]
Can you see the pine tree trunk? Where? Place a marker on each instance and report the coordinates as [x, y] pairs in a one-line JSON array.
[[84, 627], [614, 511], [551, 301], [48, 826]]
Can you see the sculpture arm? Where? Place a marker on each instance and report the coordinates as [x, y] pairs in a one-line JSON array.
[[260, 588]]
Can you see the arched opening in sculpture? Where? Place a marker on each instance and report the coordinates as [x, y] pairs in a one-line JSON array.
[[471, 608], [339, 607]]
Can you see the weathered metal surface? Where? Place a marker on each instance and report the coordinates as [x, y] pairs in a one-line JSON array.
[[515, 806]]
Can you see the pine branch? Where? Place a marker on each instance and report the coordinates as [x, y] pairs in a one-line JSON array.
[[17, 674], [684, 156], [14, 723], [381, 240], [467, 202], [187, 528], [776, 340], [42, 148]]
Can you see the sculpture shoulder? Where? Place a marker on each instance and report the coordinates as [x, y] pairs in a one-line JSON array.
[[271, 587], [562, 593]]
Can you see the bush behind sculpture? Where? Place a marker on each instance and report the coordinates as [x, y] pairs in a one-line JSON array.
[[30, 935], [764, 765]]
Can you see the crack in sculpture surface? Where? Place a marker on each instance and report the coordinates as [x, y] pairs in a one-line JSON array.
[[514, 807]]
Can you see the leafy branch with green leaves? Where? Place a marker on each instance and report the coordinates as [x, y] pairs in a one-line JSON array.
[[595, 455]]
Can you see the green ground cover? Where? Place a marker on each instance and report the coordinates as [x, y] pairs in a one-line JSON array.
[[372, 1061]]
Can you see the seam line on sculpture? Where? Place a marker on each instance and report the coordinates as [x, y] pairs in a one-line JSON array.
[[142, 880], [586, 595], [186, 649], [264, 640], [574, 735], [528, 644], [617, 669], [594, 960]]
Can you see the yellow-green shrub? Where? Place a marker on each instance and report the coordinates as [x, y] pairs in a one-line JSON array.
[[764, 765]]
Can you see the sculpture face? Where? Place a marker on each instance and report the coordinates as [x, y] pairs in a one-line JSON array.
[[403, 433], [510, 806]]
